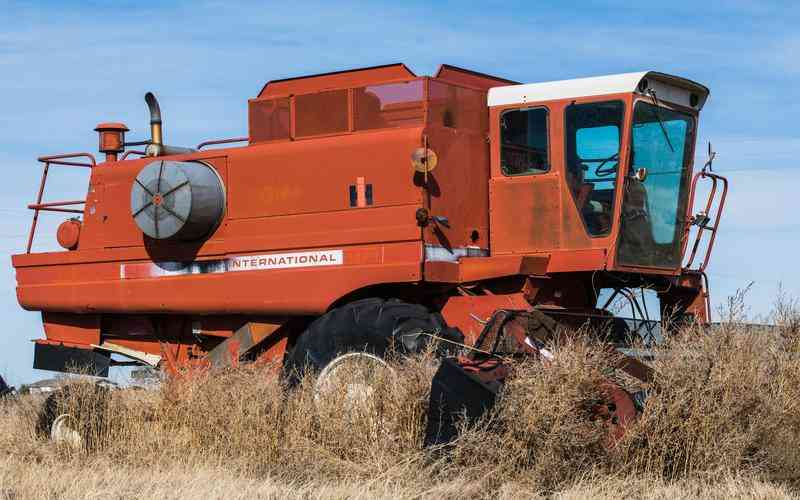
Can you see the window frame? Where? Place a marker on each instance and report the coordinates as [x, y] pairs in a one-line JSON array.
[[689, 173], [548, 144], [623, 132]]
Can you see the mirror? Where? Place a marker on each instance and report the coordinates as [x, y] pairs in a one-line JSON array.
[[709, 162]]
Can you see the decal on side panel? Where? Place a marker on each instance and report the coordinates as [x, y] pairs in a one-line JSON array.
[[233, 264]]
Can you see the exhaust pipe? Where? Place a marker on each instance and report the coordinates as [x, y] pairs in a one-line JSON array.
[[156, 146], [156, 136]]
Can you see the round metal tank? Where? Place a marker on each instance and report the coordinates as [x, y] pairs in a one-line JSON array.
[[177, 200], [69, 233]]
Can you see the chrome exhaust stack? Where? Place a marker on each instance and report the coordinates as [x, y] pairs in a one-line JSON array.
[[157, 146]]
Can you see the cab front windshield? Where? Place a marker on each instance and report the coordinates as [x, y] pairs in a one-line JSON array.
[[656, 187]]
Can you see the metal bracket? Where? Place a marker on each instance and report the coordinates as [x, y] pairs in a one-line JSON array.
[[243, 341], [143, 357]]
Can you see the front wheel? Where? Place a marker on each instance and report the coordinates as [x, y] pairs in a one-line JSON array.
[[358, 336]]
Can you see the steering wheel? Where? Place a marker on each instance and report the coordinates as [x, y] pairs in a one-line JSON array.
[[605, 172]]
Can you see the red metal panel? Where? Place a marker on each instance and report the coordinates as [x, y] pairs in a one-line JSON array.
[[321, 113], [246, 338], [387, 224], [457, 107], [337, 80], [472, 269], [303, 290], [312, 176], [568, 261], [72, 329], [457, 189], [469, 78], [526, 213], [389, 105], [269, 119], [470, 313]]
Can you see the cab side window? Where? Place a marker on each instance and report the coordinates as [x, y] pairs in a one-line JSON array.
[[523, 137], [593, 138]]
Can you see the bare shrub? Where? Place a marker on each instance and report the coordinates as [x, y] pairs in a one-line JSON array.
[[246, 420], [542, 433], [720, 403], [786, 317], [18, 419]]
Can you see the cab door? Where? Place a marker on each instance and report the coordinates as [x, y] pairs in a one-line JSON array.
[[525, 188]]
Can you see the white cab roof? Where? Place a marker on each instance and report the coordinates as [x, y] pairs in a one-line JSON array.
[[667, 87]]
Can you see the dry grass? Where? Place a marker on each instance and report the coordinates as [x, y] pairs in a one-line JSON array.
[[722, 419], [103, 479]]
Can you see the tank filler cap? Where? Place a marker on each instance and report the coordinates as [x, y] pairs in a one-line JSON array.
[[177, 200], [69, 233]]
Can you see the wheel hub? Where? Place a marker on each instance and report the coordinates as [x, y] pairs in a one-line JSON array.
[[353, 377], [64, 431]]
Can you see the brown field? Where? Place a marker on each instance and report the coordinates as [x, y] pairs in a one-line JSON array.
[[722, 420]]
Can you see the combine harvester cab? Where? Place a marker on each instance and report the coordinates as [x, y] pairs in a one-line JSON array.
[[373, 209]]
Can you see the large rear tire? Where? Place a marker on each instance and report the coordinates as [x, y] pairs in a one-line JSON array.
[[372, 326]]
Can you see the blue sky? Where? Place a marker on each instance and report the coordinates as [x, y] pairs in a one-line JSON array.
[[66, 66]]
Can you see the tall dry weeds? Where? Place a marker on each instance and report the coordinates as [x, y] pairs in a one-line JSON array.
[[722, 403], [719, 403], [542, 433]]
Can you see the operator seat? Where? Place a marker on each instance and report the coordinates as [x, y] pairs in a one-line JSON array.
[[637, 229], [579, 188]]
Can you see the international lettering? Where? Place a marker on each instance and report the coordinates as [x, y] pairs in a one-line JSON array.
[[283, 261]]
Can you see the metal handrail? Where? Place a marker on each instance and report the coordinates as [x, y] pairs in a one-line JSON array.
[[222, 141], [132, 152], [702, 228], [58, 159], [57, 205]]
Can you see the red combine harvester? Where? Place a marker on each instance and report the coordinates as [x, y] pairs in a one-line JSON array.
[[373, 208]]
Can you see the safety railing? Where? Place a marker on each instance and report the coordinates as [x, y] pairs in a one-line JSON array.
[[132, 152], [703, 219], [216, 142], [56, 206]]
